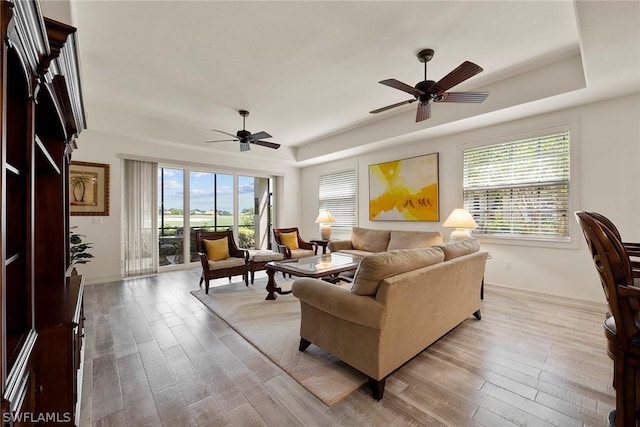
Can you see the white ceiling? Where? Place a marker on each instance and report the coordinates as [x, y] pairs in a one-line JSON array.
[[308, 71]]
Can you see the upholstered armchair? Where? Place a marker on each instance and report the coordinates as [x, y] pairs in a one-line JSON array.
[[290, 244], [220, 257]]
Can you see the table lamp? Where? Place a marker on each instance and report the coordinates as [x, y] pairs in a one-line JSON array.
[[462, 221], [324, 219]]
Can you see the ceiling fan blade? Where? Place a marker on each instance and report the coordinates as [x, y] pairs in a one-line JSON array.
[[424, 112], [223, 140], [226, 133], [388, 107], [260, 135], [244, 146], [475, 97], [464, 71], [266, 144], [397, 84]]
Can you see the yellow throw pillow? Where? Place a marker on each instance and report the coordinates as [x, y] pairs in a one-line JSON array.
[[290, 240], [217, 249]]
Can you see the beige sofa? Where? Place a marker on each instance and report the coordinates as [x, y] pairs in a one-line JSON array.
[[400, 302], [365, 241]]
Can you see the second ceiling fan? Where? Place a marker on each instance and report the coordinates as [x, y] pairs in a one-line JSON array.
[[429, 90], [245, 137]]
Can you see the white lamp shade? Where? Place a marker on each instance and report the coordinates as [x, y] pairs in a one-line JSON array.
[[462, 221], [324, 217]]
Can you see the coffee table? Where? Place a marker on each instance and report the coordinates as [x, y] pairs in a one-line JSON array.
[[317, 267]]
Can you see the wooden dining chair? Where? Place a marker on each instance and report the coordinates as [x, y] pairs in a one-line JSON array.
[[622, 328]]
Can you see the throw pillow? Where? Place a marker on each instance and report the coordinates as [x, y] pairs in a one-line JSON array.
[[367, 239], [373, 269], [413, 239], [217, 249], [290, 240]]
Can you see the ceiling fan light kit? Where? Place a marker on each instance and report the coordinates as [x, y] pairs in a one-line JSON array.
[[430, 90], [246, 138]]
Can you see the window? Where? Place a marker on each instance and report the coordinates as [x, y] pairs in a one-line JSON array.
[[338, 196], [520, 189]]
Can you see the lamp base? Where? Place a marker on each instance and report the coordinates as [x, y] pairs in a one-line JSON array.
[[460, 234], [325, 231]]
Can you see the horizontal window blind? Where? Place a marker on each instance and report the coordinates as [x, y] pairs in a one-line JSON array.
[[520, 189], [338, 196]]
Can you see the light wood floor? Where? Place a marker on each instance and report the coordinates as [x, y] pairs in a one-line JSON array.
[[156, 356]]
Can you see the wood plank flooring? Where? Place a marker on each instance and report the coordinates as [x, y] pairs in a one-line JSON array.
[[156, 356]]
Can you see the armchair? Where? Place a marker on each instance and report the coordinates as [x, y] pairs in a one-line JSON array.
[[290, 244], [622, 328], [220, 257]]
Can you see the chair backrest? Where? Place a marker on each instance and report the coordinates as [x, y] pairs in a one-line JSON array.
[[606, 221], [214, 235], [277, 231], [614, 267]]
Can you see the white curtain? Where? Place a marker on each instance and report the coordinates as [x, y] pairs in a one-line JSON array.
[[140, 222]]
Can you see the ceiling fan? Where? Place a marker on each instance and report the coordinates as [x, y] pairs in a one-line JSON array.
[[245, 137], [429, 90]]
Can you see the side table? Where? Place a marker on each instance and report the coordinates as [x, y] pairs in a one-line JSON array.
[[321, 242]]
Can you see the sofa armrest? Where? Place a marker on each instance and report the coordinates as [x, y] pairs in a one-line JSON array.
[[340, 302], [340, 245]]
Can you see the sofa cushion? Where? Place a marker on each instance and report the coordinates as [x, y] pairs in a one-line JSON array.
[[413, 239], [376, 267], [290, 240], [366, 239], [217, 249], [459, 247]]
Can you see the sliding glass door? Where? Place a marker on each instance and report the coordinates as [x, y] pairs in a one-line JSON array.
[[192, 201], [170, 216]]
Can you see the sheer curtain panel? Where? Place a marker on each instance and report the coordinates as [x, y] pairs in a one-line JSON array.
[[140, 223]]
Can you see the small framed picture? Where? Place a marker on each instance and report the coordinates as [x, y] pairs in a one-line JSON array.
[[89, 189]]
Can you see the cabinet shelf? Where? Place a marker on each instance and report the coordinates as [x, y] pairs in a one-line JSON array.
[[13, 170], [44, 161], [12, 259]]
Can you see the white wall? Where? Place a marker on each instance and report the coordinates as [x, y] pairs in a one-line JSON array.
[[608, 162], [105, 232]]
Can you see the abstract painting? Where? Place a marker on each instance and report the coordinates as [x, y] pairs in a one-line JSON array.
[[404, 190]]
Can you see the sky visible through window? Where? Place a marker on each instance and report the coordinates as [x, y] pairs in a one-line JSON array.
[[202, 190]]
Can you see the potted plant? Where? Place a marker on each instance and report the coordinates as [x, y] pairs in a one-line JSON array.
[[78, 250]]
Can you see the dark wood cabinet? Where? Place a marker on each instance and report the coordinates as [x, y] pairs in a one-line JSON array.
[[59, 349], [41, 309]]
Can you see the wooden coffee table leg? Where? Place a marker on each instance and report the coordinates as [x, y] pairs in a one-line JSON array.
[[272, 289], [271, 285]]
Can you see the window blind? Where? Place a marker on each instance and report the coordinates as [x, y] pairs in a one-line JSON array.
[[338, 196], [520, 189]]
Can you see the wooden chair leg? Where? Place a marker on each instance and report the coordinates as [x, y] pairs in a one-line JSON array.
[[206, 286], [201, 279]]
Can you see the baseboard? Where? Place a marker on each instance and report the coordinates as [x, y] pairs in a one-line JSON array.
[[101, 280], [554, 299]]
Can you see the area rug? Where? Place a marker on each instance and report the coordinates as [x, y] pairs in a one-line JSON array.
[[273, 327]]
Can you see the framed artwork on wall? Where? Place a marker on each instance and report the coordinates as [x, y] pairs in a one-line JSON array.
[[89, 189], [404, 190]]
